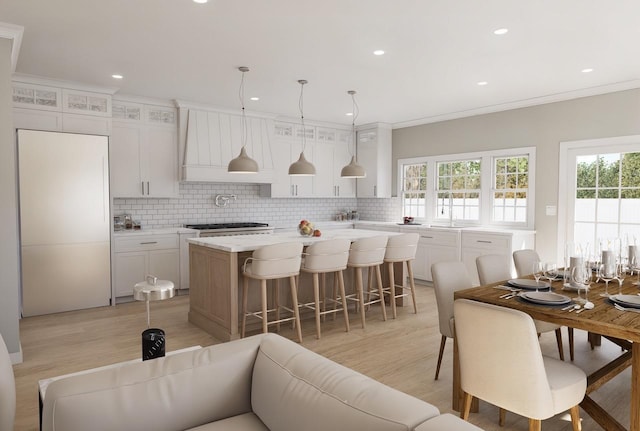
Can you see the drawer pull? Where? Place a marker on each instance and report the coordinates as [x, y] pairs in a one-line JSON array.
[[149, 242], [422, 236], [485, 241]]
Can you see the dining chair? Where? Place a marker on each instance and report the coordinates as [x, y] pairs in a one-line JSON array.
[[500, 345], [523, 261], [272, 262], [7, 389], [320, 259], [401, 249], [447, 278]]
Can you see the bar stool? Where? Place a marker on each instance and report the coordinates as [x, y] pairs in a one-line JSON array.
[[273, 262], [322, 258], [401, 249], [368, 253]]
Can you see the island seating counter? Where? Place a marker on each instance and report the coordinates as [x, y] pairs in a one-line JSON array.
[[215, 274]]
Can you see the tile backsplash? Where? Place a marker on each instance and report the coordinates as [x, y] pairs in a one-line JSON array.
[[196, 204]]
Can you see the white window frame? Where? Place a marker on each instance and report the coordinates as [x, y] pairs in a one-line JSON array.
[[569, 150], [486, 185]]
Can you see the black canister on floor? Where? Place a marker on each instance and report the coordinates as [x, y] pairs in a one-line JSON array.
[[152, 343]]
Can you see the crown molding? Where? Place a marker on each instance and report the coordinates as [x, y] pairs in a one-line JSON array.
[[50, 82], [13, 32]]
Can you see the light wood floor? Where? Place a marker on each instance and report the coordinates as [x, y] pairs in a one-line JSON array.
[[401, 353]]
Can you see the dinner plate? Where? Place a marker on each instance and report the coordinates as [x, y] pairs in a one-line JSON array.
[[525, 283], [626, 300], [546, 298]]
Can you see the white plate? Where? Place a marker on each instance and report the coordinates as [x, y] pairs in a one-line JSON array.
[[525, 283], [626, 300], [574, 288], [546, 298]]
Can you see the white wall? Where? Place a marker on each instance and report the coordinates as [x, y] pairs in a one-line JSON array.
[[9, 249], [543, 126]]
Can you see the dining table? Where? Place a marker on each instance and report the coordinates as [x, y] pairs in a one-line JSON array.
[[603, 320]]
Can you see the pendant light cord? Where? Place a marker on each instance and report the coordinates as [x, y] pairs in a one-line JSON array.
[[243, 118], [355, 111], [301, 108]]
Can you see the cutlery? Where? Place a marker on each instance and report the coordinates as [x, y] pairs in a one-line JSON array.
[[567, 307], [575, 307], [621, 308]]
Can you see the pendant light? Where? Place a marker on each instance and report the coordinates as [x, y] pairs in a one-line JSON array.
[[353, 169], [302, 167], [243, 164]]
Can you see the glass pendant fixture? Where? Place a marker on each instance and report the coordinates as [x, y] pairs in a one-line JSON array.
[[353, 169], [243, 164], [302, 167]]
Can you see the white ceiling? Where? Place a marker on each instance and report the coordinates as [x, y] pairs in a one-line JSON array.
[[436, 52]]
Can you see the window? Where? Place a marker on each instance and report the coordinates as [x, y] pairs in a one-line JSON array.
[[458, 188], [487, 188], [414, 190], [510, 189]]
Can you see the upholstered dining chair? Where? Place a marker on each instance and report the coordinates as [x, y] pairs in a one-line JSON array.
[[7, 389], [447, 278], [500, 345], [493, 268]]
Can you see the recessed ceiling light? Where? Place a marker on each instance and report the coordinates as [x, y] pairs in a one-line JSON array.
[[254, 98], [349, 114], [378, 52], [116, 76], [587, 70], [482, 83], [200, 1], [501, 31]]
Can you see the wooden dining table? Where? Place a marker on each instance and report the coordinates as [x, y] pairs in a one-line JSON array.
[[620, 327]]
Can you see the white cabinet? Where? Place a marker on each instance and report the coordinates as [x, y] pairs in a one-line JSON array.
[[477, 243], [143, 151], [435, 245], [136, 256], [374, 155], [184, 257], [57, 109]]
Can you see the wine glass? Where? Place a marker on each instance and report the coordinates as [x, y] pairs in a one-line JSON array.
[[538, 270], [607, 272], [581, 275], [620, 273], [550, 272]]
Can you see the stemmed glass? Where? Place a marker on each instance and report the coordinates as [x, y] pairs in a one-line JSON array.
[[538, 270], [550, 272], [582, 276], [634, 265], [607, 272], [620, 273]]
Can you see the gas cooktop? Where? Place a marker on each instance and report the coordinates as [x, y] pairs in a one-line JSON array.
[[242, 225]]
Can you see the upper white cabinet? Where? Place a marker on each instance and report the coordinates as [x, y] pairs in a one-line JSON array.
[[212, 139], [143, 150], [48, 107], [374, 154], [325, 147]]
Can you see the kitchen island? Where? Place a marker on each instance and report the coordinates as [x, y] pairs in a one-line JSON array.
[[215, 271]]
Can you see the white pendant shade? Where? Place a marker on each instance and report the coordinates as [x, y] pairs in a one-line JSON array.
[[353, 170], [302, 167], [243, 164]]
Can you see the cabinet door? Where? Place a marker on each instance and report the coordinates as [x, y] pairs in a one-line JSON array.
[[165, 264], [437, 254], [419, 264], [37, 120], [368, 158], [130, 268], [75, 123], [302, 185], [124, 159], [344, 187], [160, 162], [323, 181]]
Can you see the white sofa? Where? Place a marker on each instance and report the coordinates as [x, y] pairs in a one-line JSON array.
[[265, 382]]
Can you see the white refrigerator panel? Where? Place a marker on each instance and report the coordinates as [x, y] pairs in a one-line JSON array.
[[64, 188], [64, 221]]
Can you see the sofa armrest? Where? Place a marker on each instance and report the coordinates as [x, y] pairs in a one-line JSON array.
[[447, 422]]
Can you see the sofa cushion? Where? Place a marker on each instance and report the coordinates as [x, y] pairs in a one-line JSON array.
[[245, 422], [166, 394], [296, 389], [447, 422]]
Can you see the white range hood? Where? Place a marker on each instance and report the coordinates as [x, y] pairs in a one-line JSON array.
[[209, 139]]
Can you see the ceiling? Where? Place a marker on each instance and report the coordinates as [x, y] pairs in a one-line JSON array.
[[436, 51]]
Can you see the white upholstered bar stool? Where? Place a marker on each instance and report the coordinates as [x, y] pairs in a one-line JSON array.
[[322, 258], [273, 262], [496, 267], [401, 249], [447, 278], [368, 253], [500, 345]]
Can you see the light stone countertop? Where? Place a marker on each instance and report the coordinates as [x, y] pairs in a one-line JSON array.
[[238, 243], [162, 231]]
